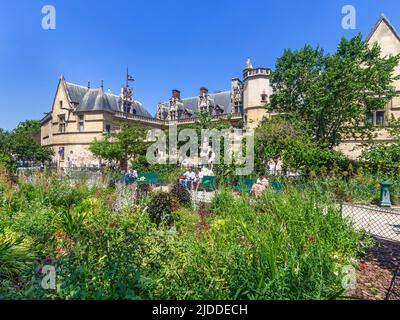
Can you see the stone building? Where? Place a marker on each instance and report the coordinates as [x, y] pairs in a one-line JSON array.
[[387, 37], [80, 114]]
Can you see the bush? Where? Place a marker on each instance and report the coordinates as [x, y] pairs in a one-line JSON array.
[[287, 245], [15, 255], [284, 246], [160, 208], [181, 194]]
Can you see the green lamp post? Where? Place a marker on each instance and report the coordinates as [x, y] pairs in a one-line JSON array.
[[385, 194]]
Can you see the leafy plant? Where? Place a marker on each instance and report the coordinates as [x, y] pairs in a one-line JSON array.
[[181, 194], [15, 255], [160, 208]]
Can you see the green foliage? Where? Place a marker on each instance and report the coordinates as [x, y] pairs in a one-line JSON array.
[[160, 208], [181, 194], [283, 139], [383, 159], [119, 146], [15, 255], [20, 145], [287, 245], [169, 173], [266, 251], [307, 156], [331, 93]]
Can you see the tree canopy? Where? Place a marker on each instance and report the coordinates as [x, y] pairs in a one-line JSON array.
[[120, 146], [331, 93], [20, 145]]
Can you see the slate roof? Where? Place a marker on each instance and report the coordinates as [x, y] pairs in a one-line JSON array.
[[95, 99]]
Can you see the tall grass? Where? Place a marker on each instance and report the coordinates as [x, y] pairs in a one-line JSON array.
[[288, 245]]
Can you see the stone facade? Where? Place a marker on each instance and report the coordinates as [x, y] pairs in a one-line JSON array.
[[386, 36], [80, 114]]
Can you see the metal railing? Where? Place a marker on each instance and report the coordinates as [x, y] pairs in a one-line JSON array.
[[232, 116], [379, 222]]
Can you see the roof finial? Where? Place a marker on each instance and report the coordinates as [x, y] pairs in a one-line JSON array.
[[129, 78], [248, 64], [88, 84], [102, 84]]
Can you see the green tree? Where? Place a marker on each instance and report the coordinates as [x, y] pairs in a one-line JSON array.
[[119, 147], [272, 139], [22, 146], [331, 93]]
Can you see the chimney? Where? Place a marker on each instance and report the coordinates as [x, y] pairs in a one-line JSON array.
[[203, 91], [176, 94]]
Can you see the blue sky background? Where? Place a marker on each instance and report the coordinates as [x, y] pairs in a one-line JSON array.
[[166, 44]]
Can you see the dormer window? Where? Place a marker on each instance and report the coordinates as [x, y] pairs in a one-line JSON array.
[[219, 110], [61, 104]]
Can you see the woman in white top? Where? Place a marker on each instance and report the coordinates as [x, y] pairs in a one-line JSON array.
[[260, 186]]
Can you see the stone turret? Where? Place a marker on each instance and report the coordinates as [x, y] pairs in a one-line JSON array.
[[256, 93]]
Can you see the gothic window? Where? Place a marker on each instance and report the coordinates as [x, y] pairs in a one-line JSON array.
[[165, 114], [61, 123], [108, 128]]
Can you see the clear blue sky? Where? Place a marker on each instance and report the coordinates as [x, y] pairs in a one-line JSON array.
[[166, 44]]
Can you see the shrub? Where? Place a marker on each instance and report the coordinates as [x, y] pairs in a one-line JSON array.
[[181, 194], [282, 246], [160, 208], [15, 255]]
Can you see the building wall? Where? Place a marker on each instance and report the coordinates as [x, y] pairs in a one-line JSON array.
[[74, 142], [389, 43], [254, 107], [256, 82]]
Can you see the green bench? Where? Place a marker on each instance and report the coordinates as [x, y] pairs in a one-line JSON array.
[[148, 177], [277, 186], [244, 184], [208, 183]]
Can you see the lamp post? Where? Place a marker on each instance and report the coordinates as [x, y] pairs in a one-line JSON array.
[[385, 194]]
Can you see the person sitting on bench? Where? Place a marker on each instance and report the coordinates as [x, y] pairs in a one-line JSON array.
[[198, 179], [260, 186], [189, 178]]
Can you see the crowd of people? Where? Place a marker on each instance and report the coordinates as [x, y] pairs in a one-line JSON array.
[[192, 179]]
